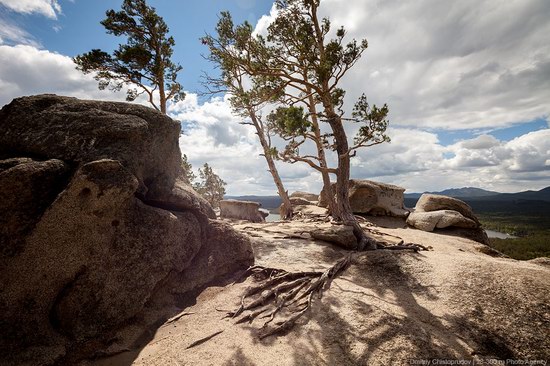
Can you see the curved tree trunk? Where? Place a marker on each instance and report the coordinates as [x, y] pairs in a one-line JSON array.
[[286, 208], [342, 210]]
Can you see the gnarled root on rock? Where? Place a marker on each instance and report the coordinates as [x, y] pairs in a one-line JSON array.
[[281, 291], [289, 295]]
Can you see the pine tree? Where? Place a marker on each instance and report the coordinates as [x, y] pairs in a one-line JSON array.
[[188, 175], [245, 101], [211, 187], [143, 64]]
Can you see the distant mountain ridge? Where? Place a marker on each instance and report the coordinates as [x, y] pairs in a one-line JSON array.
[[472, 193], [469, 194], [459, 193], [267, 202]]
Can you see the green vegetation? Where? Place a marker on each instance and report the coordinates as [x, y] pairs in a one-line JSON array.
[[533, 233], [211, 187], [529, 247]]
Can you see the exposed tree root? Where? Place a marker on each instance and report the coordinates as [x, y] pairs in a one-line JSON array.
[[287, 296], [404, 246], [204, 339], [279, 291], [177, 317]]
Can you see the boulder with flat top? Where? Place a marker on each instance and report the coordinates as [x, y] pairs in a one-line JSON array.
[[373, 198], [241, 210]]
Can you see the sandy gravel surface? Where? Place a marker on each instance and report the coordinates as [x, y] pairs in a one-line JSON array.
[[451, 302]]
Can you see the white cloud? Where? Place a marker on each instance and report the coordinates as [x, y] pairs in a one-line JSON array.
[[213, 134], [480, 142], [530, 152], [11, 33], [418, 162], [450, 65], [265, 21], [49, 8], [27, 70]]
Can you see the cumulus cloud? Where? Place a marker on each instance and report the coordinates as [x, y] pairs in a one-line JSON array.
[[484, 161], [214, 115], [27, 70], [530, 152], [450, 65], [48, 8], [480, 142], [213, 134]]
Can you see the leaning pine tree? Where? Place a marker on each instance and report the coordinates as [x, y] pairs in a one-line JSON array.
[[297, 41], [143, 64], [225, 52]]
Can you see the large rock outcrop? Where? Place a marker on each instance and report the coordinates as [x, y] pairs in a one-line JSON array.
[[94, 222], [242, 210], [433, 211], [311, 197], [373, 198]]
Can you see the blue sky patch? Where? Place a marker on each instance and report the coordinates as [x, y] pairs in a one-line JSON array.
[[447, 137]]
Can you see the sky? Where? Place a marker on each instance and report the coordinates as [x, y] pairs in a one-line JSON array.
[[467, 83]]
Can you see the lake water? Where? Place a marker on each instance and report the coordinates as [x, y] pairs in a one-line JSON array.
[[273, 217], [498, 235], [490, 233]]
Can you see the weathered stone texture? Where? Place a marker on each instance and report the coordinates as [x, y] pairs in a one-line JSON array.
[[94, 221]]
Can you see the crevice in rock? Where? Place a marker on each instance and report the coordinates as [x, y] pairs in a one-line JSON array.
[[54, 317], [45, 189], [174, 207]]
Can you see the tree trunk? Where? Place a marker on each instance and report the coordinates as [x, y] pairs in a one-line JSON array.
[[342, 210], [162, 96], [286, 208], [327, 185]]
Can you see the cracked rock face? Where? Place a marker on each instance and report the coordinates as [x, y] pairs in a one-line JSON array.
[[94, 221]]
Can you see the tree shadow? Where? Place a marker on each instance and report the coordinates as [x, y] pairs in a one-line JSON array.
[[238, 358], [387, 222], [379, 311]]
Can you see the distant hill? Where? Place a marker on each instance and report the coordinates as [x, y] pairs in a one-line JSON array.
[[542, 195], [458, 193], [468, 192], [481, 200], [471, 193], [267, 202], [520, 203]]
